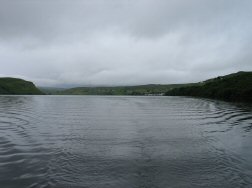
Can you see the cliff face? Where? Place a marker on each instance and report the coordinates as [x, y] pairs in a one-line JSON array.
[[234, 87], [15, 86]]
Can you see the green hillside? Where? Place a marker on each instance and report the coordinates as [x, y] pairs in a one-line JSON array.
[[233, 87], [15, 86], [152, 89]]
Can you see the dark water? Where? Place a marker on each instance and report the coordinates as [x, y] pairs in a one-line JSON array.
[[124, 142]]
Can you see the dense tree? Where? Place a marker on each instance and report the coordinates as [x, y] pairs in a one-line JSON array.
[[233, 87]]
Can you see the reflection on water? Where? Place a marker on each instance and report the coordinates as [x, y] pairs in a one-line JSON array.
[[124, 142]]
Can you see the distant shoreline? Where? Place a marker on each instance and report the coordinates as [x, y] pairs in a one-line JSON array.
[[236, 87]]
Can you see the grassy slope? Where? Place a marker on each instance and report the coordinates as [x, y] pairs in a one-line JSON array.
[[121, 90], [233, 87], [15, 86]]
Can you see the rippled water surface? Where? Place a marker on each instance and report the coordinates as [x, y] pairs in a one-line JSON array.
[[124, 142]]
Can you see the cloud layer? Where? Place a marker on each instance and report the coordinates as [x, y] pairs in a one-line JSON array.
[[124, 42]]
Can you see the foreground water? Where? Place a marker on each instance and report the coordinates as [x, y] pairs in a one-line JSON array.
[[124, 142]]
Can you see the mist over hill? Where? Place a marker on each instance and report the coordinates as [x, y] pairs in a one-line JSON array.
[[150, 89]]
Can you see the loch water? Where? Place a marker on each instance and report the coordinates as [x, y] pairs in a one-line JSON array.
[[124, 142]]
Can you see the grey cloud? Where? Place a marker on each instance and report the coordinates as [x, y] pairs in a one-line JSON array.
[[113, 42]]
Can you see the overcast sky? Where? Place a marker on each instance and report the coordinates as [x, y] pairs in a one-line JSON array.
[[124, 42]]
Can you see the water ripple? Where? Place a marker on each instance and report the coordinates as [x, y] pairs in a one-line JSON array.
[[87, 141]]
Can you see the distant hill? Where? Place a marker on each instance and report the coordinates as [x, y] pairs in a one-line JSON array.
[[151, 89], [51, 90], [15, 86], [232, 87]]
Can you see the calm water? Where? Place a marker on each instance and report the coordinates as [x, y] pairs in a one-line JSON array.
[[124, 142]]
